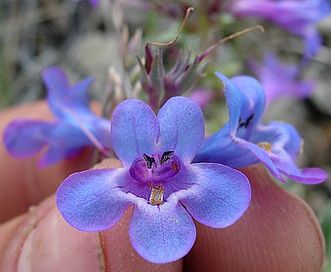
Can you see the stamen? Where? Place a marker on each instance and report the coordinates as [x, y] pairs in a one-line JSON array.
[[166, 156], [265, 145], [174, 167], [149, 160], [156, 197], [188, 11]]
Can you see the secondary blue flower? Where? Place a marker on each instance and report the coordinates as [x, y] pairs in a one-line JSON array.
[[244, 140], [280, 80], [158, 179], [74, 127], [296, 16]]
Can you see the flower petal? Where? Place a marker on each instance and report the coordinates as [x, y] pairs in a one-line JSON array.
[[221, 147], [281, 136], [57, 88], [134, 130], [92, 200], [286, 165], [64, 141], [99, 127], [182, 127], [298, 17], [254, 97], [312, 41], [24, 138], [245, 107], [78, 97], [261, 155], [163, 233], [62, 98], [94, 3], [220, 195], [234, 100], [56, 82]]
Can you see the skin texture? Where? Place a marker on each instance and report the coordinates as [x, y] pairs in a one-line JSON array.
[[279, 232]]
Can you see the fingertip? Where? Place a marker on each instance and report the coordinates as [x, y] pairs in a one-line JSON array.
[[121, 256], [279, 232], [45, 242]]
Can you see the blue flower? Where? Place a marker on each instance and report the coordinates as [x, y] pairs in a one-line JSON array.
[[75, 125], [159, 180], [244, 140], [280, 80], [296, 16]]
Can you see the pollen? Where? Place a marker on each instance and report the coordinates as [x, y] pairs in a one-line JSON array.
[[265, 145], [174, 167], [156, 197]]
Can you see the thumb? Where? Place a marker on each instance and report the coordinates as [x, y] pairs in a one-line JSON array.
[[41, 240], [278, 232]]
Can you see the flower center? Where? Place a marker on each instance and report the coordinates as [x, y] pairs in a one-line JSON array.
[[153, 169]]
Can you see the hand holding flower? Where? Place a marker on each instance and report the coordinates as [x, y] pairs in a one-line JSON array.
[[277, 233]]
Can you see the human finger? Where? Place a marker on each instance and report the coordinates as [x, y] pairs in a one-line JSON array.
[[279, 232], [41, 240], [22, 183]]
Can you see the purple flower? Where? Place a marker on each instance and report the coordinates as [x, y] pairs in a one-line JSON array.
[[159, 180], [75, 125], [244, 140], [280, 80], [296, 16], [93, 3]]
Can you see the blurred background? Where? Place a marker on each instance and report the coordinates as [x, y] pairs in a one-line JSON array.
[[86, 41]]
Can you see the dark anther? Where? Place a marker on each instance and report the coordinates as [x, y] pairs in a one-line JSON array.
[[149, 160], [166, 156], [248, 121]]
